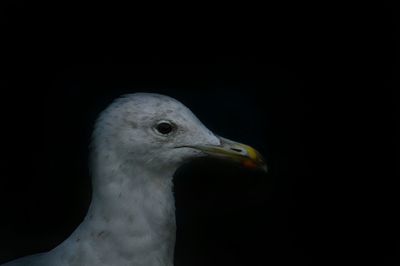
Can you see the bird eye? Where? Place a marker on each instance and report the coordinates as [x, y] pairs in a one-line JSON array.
[[164, 127]]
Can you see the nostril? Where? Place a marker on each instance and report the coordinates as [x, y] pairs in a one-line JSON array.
[[237, 150]]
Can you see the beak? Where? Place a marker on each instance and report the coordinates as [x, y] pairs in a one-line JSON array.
[[234, 151]]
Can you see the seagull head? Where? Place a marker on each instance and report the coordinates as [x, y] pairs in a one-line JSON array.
[[157, 132]]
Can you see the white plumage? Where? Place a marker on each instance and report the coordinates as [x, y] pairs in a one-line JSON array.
[[138, 143]]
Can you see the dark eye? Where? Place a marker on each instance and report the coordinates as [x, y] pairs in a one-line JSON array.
[[164, 128]]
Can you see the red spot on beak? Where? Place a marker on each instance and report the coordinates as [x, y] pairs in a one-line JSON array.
[[249, 164]]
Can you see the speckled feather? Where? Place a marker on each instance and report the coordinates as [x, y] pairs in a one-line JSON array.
[[131, 219]]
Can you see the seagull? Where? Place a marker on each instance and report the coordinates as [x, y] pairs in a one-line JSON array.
[[138, 143]]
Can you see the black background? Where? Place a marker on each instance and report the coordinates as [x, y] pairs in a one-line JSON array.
[[310, 86]]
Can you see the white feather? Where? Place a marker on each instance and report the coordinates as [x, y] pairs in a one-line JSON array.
[[131, 219]]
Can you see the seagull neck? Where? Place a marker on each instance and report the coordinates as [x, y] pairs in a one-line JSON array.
[[133, 214]]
